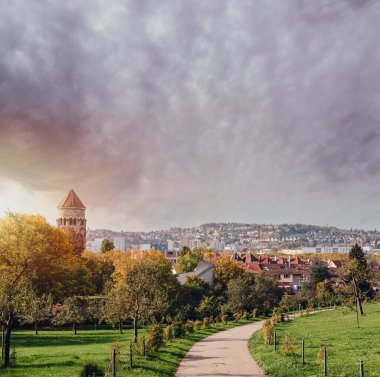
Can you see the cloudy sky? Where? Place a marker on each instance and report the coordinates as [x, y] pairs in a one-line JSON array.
[[179, 112]]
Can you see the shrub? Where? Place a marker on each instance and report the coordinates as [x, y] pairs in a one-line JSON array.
[[236, 316], [168, 333], [197, 325], [245, 315], [267, 331], [137, 347], [154, 338], [189, 326], [287, 347], [206, 323], [177, 330], [254, 313], [274, 320], [225, 319], [91, 370]]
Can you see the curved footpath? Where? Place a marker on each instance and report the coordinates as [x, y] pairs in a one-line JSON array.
[[222, 354]]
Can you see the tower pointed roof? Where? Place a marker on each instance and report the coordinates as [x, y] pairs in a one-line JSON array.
[[71, 200]]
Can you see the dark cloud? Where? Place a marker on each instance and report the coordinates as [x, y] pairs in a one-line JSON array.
[[176, 112]]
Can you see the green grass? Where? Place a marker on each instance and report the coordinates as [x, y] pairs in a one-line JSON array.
[[61, 354], [346, 344]]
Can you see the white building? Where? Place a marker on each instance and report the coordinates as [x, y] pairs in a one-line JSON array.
[[121, 243]]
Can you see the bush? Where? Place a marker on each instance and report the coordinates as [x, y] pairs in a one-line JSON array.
[[189, 326], [154, 338], [245, 315], [206, 323], [274, 320], [267, 331], [254, 313], [137, 347], [197, 325], [177, 330], [287, 347], [225, 319], [168, 333], [91, 370], [236, 316]]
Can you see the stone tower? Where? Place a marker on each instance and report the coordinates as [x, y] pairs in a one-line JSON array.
[[72, 215]]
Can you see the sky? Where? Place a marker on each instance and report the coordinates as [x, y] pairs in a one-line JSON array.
[[168, 113]]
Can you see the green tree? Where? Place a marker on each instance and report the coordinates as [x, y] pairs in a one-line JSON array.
[[240, 294], [107, 245], [189, 259], [357, 275], [318, 272]]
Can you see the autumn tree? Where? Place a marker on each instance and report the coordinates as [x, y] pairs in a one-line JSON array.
[[33, 260], [37, 308], [146, 280], [73, 311], [318, 273], [225, 269]]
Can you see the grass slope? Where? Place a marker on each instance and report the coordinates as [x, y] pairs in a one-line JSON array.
[[59, 353], [346, 344]]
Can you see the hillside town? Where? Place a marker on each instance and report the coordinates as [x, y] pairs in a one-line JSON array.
[[234, 237]]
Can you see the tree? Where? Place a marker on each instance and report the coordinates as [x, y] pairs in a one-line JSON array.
[[146, 280], [34, 260], [225, 269], [37, 309], [240, 293], [357, 275], [107, 245], [73, 311], [318, 272], [77, 240], [188, 260], [266, 292], [324, 293]]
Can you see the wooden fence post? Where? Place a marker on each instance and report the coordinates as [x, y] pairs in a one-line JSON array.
[[361, 364], [275, 340], [130, 355], [113, 363], [303, 352], [324, 361], [144, 346]]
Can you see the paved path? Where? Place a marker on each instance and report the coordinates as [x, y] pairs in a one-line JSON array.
[[222, 354]]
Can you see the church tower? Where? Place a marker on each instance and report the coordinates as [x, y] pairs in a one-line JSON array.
[[72, 215]]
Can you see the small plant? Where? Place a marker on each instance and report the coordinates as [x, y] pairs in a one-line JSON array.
[[189, 327], [245, 315], [206, 323], [237, 316], [91, 370], [287, 347], [177, 330], [197, 325], [254, 313], [274, 320], [154, 338], [225, 319], [168, 332], [267, 331]]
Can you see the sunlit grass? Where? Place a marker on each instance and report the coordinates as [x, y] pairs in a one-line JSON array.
[[346, 344], [61, 354]]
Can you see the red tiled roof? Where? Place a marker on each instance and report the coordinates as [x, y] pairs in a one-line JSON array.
[[71, 200]]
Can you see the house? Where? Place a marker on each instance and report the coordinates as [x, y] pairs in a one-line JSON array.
[[204, 271]]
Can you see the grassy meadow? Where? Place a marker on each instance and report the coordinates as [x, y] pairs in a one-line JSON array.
[[337, 330], [58, 353]]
